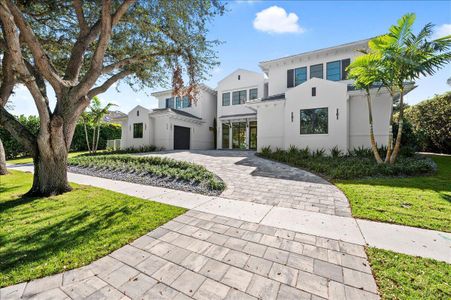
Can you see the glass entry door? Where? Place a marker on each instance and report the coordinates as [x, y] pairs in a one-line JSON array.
[[253, 135], [238, 135], [225, 136]]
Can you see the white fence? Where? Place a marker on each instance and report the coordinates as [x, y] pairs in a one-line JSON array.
[[113, 144]]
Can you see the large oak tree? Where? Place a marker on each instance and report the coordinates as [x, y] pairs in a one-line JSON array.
[[80, 49]]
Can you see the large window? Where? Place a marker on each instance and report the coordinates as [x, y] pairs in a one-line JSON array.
[[314, 121], [225, 136], [300, 75], [137, 130], [178, 102], [225, 99], [239, 97], [333, 70], [253, 94], [316, 71], [238, 135], [170, 102]]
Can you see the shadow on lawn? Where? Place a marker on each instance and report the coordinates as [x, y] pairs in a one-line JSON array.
[[67, 234]]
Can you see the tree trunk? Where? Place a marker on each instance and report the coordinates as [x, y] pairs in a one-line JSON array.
[[397, 147], [87, 137], [3, 169], [93, 138], [98, 137], [50, 165], [372, 139], [390, 138]]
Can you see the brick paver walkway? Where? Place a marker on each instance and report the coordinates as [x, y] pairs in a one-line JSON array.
[[204, 256], [251, 178]]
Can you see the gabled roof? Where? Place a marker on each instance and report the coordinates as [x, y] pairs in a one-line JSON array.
[[239, 70], [201, 86], [176, 111]]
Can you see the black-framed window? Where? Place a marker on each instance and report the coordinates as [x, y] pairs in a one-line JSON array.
[[300, 75], [225, 136], [186, 102], [170, 102], [178, 103], [225, 99], [316, 71], [137, 130], [253, 94], [239, 97], [333, 70], [314, 121]]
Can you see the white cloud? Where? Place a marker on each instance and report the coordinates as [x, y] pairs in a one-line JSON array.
[[276, 20], [442, 30]]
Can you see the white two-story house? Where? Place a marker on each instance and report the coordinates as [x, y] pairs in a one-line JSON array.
[[302, 100], [177, 123]]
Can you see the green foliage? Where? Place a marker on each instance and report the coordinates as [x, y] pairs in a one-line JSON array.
[[14, 149], [335, 152], [401, 276], [154, 166], [45, 236], [358, 163], [431, 124], [421, 201]]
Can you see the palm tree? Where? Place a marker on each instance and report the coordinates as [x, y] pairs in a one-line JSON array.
[[405, 57], [95, 117], [365, 71]]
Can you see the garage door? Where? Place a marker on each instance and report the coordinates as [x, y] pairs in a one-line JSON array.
[[181, 137]]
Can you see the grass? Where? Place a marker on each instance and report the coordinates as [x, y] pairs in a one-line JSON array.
[[29, 160], [154, 166], [414, 201], [401, 276], [44, 236]]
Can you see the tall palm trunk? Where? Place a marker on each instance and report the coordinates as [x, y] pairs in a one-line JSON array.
[[86, 136], [390, 138], [370, 120], [397, 147], [3, 169], [98, 137], [93, 138]]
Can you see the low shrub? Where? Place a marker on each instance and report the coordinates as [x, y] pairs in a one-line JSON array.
[[358, 163], [153, 166]]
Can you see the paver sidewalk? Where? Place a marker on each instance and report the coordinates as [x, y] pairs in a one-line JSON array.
[[205, 256]]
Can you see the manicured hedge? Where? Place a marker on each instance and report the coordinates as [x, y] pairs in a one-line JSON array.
[[359, 163]]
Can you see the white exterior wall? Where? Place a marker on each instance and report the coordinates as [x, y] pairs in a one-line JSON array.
[[330, 94], [277, 70], [248, 80], [127, 139], [358, 122], [270, 124]]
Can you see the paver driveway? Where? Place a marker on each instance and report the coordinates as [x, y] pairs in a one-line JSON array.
[[251, 178]]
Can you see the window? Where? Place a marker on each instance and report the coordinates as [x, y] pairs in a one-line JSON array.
[[344, 64], [333, 70], [316, 71], [137, 113], [225, 136], [170, 102], [253, 94], [239, 97], [300, 75], [137, 130], [239, 77], [290, 78], [225, 99], [238, 135], [186, 102], [314, 121], [313, 91], [178, 103], [266, 90]]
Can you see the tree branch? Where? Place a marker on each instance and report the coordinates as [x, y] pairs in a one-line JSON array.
[[16, 129], [84, 28], [42, 62], [108, 83], [83, 41], [8, 79]]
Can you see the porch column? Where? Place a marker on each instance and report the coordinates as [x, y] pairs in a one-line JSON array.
[[230, 135], [247, 134]]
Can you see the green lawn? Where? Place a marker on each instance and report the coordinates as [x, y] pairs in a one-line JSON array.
[[29, 160], [415, 201], [44, 236], [401, 276]]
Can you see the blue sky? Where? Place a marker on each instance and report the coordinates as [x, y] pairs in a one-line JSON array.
[[250, 32]]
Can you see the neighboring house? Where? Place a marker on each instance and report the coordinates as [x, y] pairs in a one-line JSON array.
[[305, 101], [177, 123]]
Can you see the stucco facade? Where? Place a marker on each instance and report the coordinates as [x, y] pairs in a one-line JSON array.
[[159, 125]]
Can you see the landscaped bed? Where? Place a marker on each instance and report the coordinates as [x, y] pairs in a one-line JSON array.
[[44, 236], [401, 276], [164, 172]]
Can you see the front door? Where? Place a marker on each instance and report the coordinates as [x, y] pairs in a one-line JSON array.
[[238, 135], [253, 135], [182, 137]]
